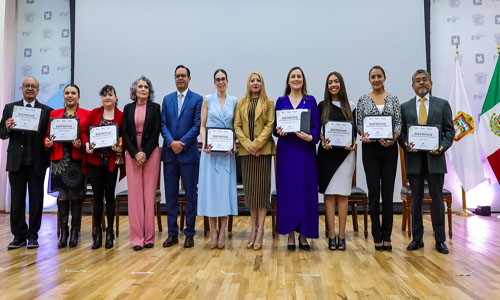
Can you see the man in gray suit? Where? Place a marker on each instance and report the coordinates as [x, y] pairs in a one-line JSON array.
[[424, 109]]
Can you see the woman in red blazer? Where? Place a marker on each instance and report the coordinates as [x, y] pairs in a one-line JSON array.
[[66, 173], [103, 165]]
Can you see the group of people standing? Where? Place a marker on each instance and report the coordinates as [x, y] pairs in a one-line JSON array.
[[209, 179]]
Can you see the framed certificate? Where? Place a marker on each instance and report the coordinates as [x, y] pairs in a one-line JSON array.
[[64, 130], [103, 136], [26, 118], [221, 139], [293, 120], [339, 133], [378, 127], [424, 138]]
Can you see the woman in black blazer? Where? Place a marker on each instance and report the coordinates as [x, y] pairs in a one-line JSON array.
[[141, 130]]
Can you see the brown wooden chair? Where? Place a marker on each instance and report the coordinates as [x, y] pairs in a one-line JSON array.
[[122, 198], [88, 199], [406, 198]]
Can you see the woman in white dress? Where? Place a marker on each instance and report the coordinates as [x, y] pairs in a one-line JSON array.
[[335, 164]]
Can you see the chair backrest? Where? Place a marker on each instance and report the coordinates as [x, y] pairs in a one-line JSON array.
[[355, 166]]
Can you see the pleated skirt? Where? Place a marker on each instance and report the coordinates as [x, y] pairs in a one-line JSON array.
[[256, 173]]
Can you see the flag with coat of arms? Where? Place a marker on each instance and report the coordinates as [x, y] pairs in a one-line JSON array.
[[489, 124], [464, 153]]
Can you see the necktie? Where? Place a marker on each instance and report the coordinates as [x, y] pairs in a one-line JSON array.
[[28, 105], [179, 104], [422, 112]]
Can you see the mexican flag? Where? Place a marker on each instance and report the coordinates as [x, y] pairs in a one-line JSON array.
[[464, 153], [489, 124]]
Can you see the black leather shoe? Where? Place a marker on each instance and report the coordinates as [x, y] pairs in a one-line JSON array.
[[97, 239], [189, 242], [110, 236], [170, 241], [415, 245], [63, 239], [73, 239], [441, 248], [149, 245], [332, 243], [32, 244], [15, 244], [137, 248], [379, 248], [291, 247], [387, 247]]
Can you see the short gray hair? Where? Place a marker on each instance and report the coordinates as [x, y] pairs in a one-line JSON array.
[[133, 89], [420, 71]]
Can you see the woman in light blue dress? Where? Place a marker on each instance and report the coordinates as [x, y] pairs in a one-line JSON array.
[[217, 178]]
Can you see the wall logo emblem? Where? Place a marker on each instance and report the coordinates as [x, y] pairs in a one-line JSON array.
[[478, 19], [480, 96], [452, 19], [464, 124], [30, 1], [479, 58], [496, 36], [27, 52], [61, 85], [476, 37], [495, 124], [65, 33], [497, 19], [480, 77], [454, 3], [27, 70], [455, 40], [47, 15], [44, 87], [29, 16], [47, 33], [478, 2], [64, 51], [45, 69]]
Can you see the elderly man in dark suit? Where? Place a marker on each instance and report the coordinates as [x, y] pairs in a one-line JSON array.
[[180, 127], [424, 109], [27, 162]]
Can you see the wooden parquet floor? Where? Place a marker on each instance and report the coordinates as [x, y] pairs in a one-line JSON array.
[[470, 271]]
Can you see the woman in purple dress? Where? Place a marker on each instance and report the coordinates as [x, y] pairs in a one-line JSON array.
[[297, 179]]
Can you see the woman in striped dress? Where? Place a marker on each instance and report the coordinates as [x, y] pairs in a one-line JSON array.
[[253, 125]]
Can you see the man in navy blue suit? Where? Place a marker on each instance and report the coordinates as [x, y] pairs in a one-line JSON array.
[[180, 126]]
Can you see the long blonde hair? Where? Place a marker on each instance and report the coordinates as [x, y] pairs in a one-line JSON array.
[[262, 96]]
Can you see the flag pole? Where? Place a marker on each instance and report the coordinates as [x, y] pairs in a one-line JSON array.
[[498, 49], [464, 212]]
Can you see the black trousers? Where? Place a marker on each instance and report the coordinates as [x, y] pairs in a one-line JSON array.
[[103, 185], [380, 165], [435, 183], [18, 181]]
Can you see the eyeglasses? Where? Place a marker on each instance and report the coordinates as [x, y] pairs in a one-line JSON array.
[[30, 86], [178, 76], [221, 79], [423, 79]]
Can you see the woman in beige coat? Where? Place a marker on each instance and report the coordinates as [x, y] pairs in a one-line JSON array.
[[253, 125]]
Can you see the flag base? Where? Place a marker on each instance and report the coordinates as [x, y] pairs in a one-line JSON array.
[[465, 213]]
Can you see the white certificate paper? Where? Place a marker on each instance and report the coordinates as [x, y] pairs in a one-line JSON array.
[[290, 120], [103, 136], [339, 133], [424, 138], [378, 127], [221, 139], [26, 118], [64, 130]]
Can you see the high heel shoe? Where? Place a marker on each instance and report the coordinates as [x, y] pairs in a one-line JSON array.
[[213, 244], [110, 236], [387, 247], [221, 245], [341, 244], [258, 245], [97, 238], [251, 241], [379, 248], [305, 246], [332, 243]]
